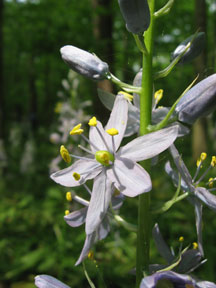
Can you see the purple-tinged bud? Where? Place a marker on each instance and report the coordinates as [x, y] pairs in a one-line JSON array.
[[199, 101], [193, 51], [136, 15], [85, 63]]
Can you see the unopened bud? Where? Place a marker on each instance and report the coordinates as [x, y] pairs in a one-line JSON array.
[[198, 101], [136, 15], [85, 63], [196, 47]]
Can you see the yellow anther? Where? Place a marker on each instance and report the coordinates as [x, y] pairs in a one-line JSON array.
[[195, 245], [69, 196], [76, 130], [112, 131], [158, 95], [126, 95], [76, 176], [67, 212], [210, 182], [181, 239], [65, 154], [58, 107], [213, 161], [92, 121], [91, 255], [203, 156]]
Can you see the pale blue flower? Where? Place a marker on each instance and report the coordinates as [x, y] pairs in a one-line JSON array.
[[112, 165]]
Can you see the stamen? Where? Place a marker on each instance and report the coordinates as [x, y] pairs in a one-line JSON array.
[[81, 157], [195, 245], [67, 212], [158, 95], [65, 154], [87, 140], [69, 196], [199, 165], [203, 156], [99, 132], [203, 175], [77, 130], [85, 149], [213, 161], [112, 131], [92, 122], [80, 200], [211, 182], [126, 95], [76, 176], [181, 239], [91, 255]]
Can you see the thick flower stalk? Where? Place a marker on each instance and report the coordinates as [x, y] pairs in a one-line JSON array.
[[108, 165]]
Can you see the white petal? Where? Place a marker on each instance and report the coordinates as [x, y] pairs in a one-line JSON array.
[[149, 145], [198, 217], [76, 218], [206, 197], [95, 137], [89, 241], [89, 169], [182, 169], [129, 178], [118, 119], [46, 281], [99, 203]]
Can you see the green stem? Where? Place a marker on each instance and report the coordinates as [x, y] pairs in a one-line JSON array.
[[144, 215]]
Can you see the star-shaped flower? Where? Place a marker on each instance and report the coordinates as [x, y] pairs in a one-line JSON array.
[[112, 165]]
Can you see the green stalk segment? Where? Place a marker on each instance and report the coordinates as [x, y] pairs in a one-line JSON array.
[[144, 215]]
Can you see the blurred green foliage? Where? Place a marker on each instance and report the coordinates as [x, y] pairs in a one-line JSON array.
[[34, 239]]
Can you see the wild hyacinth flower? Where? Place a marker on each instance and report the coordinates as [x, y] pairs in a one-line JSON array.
[[170, 279], [78, 217], [85, 63], [109, 165], [199, 101], [198, 195], [196, 47]]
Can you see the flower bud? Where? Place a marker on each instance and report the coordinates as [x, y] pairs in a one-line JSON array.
[[198, 101], [85, 63], [136, 15], [193, 51]]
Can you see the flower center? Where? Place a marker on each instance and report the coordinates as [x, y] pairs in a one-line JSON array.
[[104, 157]]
